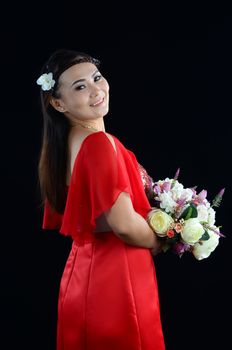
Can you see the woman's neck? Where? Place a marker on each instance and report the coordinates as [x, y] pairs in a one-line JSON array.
[[94, 125]]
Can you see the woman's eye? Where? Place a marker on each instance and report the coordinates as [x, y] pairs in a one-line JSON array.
[[80, 87], [98, 77]]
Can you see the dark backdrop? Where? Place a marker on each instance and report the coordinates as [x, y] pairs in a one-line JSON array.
[[169, 70]]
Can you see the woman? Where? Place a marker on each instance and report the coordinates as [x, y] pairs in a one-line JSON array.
[[93, 191]]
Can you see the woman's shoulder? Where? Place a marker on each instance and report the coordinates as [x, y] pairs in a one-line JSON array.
[[98, 140], [78, 139], [95, 143], [90, 143]]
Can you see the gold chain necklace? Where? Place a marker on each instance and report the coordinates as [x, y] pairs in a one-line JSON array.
[[87, 127]]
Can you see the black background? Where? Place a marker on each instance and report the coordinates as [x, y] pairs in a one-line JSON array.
[[169, 70]]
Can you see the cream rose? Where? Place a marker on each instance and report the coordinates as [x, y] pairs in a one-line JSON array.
[[202, 213], [159, 221], [203, 249], [192, 231], [211, 216]]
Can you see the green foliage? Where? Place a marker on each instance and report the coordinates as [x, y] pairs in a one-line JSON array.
[[205, 236], [190, 212], [216, 201]]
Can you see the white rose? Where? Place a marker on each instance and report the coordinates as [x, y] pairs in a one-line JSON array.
[[159, 221], [177, 190], [203, 249], [167, 202], [202, 213], [187, 194], [192, 231], [167, 180], [211, 216], [160, 182]]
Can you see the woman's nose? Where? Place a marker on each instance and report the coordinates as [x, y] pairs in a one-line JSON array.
[[94, 90]]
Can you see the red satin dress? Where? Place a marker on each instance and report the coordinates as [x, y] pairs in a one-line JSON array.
[[108, 297]]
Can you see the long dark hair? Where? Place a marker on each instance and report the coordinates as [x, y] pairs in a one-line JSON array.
[[52, 166]]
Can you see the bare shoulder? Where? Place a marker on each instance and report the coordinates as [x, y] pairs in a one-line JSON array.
[[75, 140]]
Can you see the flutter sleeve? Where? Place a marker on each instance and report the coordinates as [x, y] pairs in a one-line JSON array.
[[99, 176], [51, 219]]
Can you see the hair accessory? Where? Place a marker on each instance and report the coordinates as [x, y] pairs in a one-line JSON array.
[[46, 81]]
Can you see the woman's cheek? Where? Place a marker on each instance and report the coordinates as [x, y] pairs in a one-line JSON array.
[[105, 84]]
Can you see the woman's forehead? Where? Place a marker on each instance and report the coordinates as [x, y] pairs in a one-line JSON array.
[[78, 71]]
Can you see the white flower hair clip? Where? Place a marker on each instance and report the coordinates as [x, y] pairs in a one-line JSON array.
[[46, 81]]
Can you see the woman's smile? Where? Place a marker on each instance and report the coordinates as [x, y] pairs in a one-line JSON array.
[[98, 103]]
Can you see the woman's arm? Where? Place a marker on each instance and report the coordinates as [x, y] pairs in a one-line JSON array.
[[130, 226]]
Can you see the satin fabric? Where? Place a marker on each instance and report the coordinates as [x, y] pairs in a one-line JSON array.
[[108, 296]]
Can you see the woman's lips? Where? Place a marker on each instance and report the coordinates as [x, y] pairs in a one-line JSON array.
[[98, 103]]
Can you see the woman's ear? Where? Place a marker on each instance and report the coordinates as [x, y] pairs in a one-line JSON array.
[[58, 105]]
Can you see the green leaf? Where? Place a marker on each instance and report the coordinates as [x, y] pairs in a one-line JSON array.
[[190, 212], [205, 236]]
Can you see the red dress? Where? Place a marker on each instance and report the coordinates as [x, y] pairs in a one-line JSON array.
[[108, 296]]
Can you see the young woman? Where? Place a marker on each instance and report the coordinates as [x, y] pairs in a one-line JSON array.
[[93, 190]]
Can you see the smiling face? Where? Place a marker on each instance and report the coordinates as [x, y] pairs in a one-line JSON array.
[[83, 93]]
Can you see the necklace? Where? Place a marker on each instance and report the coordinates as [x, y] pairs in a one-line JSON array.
[[87, 127]]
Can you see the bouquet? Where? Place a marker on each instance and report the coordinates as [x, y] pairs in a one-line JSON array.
[[183, 218]]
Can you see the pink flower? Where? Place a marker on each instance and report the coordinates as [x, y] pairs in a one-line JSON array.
[[199, 199], [166, 186], [157, 189], [221, 192], [181, 202], [177, 174], [178, 227]]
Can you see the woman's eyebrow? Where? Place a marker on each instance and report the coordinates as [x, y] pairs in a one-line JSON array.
[[76, 81]]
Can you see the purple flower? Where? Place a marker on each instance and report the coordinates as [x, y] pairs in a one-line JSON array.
[[180, 247], [181, 202], [177, 174], [166, 186], [202, 195], [193, 189], [199, 199], [157, 189], [220, 194]]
